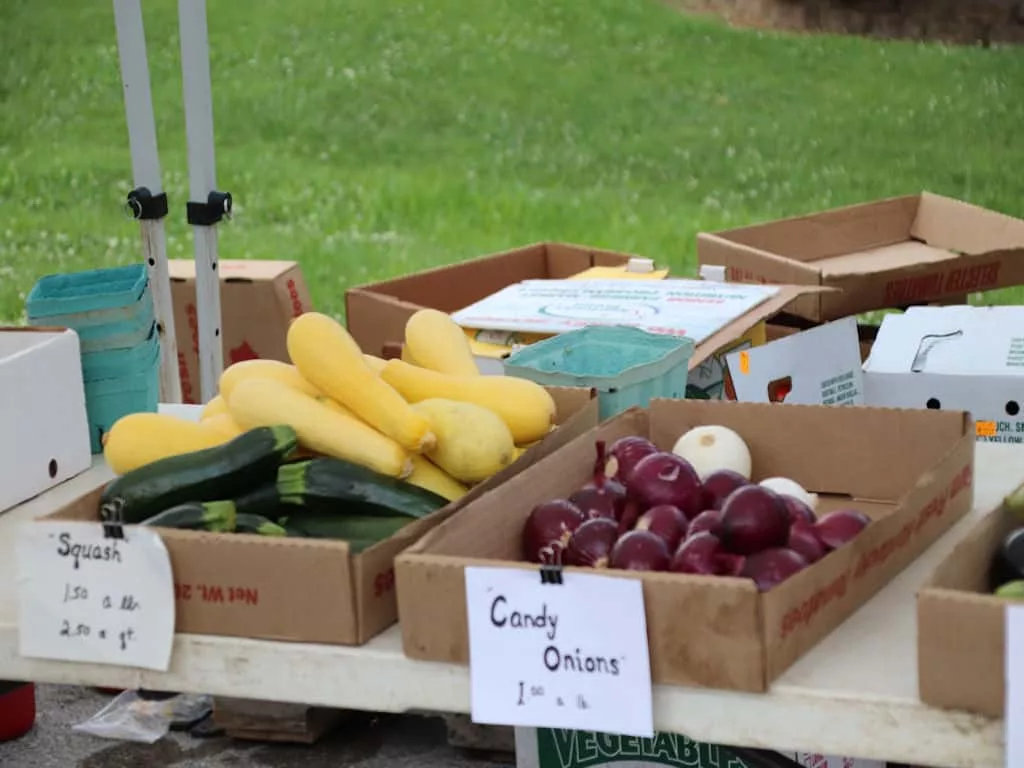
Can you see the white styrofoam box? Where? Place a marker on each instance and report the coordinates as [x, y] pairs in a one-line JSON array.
[[953, 358], [44, 432]]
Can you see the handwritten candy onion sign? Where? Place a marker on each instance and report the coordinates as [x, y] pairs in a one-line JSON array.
[[564, 655]]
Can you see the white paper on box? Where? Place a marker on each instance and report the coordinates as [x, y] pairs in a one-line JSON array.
[[820, 366], [558, 655], [1014, 685], [87, 598], [692, 308]]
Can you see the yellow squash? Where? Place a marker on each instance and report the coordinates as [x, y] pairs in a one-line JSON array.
[[222, 424], [329, 358], [436, 342], [375, 363], [264, 369], [335, 406], [260, 402], [139, 439], [406, 356], [215, 407], [525, 406], [472, 442], [432, 478]]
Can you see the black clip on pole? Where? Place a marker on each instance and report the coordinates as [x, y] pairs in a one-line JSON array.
[[143, 205], [551, 574], [113, 519], [217, 207]]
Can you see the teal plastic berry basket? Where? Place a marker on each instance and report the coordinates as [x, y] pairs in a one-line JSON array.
[[107, 400], [117, 290], [115, 363], [627, 366]]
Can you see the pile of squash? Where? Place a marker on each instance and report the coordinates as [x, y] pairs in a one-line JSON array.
[[429, 418]]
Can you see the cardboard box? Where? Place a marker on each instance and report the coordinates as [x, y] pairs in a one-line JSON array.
[[312, 590], [376, 314], [954, 358], [258, 300], [820, 366], [881, 255], [866, 335], [42, 412], [961, 628], [910, 470]]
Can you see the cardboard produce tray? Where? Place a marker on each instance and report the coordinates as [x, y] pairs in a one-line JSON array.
[[911, 471], [886, 254], [311, 590], [961, 628]]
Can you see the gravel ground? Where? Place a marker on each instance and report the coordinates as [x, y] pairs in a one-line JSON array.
[[363, 741]]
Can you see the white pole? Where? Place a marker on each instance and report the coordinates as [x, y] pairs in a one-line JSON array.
[[149, 209], [206, 204]]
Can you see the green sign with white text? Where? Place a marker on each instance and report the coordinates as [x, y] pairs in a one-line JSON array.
[[558, 748]]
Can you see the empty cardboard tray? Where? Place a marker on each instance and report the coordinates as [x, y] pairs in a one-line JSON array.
[[887, 254]]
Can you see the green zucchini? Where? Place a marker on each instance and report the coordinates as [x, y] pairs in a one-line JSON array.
[[359, 530], [334, 485], [216, 516], [248, 523], [222, 472]]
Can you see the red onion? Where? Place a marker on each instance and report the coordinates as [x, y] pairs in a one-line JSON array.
[[664, 478], [624, 454], [591, 544], [548, 528]]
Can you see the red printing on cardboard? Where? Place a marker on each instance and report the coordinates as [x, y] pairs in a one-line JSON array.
[[193, 325], [384, 582], [737, 275], [293, 295], [214, 593], [187, 395], [976, 277], [873, 558]]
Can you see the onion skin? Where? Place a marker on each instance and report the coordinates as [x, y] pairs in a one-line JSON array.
[[771, 567], [805, 542], [698, 554], [591, 544], [640, 551], [840, 527], [665, 521], [708, 521], [753, 519], [798, 511], [607, 500], [624, 454], [719, 485], [548, 528], [664, 478]]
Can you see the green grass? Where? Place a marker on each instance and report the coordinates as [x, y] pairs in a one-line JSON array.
[[374, 137]]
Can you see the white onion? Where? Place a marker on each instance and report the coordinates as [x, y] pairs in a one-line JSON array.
[[712, 448], [786, 487]]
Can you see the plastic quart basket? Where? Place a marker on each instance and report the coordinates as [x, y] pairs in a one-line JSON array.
[[627, 366], [101, 295]]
